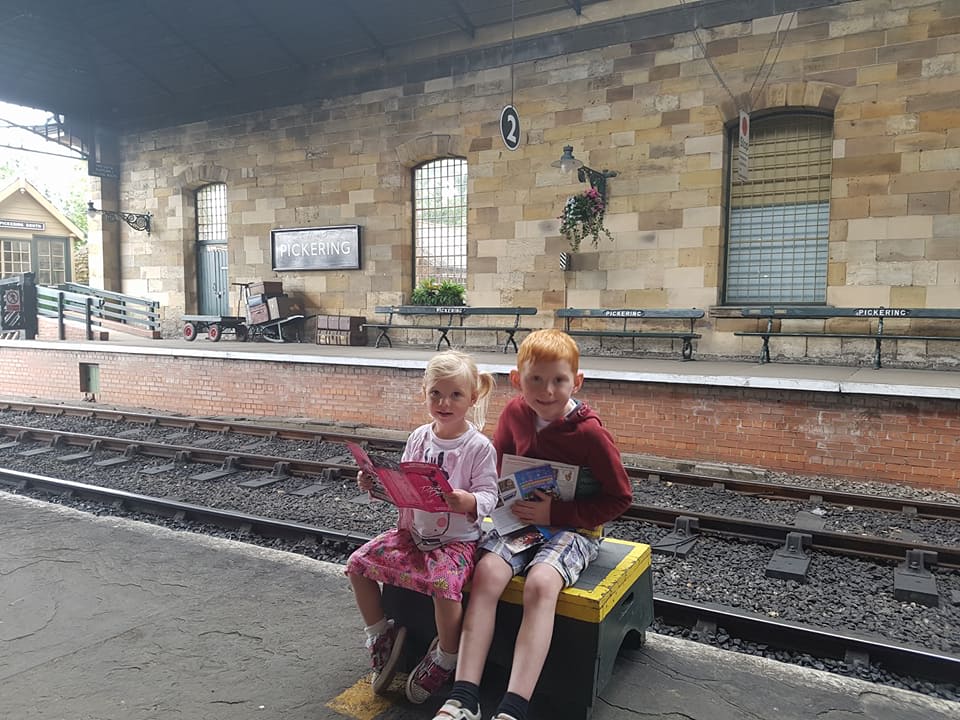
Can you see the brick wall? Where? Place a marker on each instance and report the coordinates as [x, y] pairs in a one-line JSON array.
[[901, 440]]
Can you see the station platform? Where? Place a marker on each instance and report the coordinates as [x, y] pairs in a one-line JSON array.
[[103, 618]]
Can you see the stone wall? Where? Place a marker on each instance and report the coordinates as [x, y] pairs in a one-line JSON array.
[[653, 110]]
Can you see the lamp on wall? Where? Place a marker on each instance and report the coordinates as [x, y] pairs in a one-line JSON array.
[[137, 221], [596, 178]]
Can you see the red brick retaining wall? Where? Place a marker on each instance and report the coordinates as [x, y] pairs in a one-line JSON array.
[[901, 440]]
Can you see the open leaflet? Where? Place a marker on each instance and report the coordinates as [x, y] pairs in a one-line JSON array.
[[522, 484], [414, 485], [565, 475]]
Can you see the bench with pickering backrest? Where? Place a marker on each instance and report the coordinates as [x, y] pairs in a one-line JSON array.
[[634, 324], [862, 324], [444, 319]]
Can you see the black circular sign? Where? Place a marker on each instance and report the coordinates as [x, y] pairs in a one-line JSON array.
[[510, 127]]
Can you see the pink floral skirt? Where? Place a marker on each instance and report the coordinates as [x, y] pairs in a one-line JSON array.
[[392, 558]]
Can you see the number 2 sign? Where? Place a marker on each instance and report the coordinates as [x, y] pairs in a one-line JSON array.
[[510, 127]]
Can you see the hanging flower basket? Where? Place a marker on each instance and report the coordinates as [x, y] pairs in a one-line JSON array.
[[583, 217]]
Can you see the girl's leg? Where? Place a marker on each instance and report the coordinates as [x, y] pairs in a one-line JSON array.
[[490, 577], [367, 594], [449, 617]]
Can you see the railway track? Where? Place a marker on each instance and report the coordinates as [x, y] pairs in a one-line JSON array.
[[702, 618], [280, 484]]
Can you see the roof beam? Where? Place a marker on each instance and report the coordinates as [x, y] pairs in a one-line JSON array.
[[366, 31], [274, 35], [468, 27], [168, 26]]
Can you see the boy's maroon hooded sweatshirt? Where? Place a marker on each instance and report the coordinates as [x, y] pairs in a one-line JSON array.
[[577, 439]]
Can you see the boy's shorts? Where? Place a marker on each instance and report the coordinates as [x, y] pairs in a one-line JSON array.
[[567, 552]]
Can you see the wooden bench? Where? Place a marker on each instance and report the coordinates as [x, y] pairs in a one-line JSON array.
[[612, 603], [625, 316], [444, 318], [865, 323]]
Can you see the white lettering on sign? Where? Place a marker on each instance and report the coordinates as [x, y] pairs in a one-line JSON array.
[[623, 313], [449, 310], [323, 248], [882, 312], [22, 225], [314, 249]]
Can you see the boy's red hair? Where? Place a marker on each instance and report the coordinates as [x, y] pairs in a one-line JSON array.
[[549, 346]]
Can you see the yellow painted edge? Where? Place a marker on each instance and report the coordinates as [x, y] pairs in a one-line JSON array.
[[594, 605]]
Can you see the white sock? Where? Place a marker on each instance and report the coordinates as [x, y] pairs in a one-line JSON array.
[[448, 661], [378, 627]]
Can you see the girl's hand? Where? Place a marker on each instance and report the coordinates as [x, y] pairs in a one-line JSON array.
[[461, 501], [365, 481], [534, 512]]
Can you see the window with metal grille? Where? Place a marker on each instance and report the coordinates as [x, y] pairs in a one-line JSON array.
[[16, 257], [778, 222], [212, 213], [440, 220]]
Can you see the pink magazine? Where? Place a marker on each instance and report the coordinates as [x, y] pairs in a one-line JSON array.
[[408, 485]]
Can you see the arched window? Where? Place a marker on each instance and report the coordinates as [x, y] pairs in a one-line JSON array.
[[213, 283], [440, 220], [778, 221]]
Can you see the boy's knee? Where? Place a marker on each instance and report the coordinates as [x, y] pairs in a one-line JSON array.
[[542, 583]]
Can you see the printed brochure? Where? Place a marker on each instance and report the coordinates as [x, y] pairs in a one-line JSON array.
[[521, 484], [414, 485], [566, 475]]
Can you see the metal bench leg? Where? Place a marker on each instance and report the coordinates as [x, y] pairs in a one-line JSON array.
[[876, 355], [765, 350], [443, 339], [687, 351], [509, 341], [383, 336]]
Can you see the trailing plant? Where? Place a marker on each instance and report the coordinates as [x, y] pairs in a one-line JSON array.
[[431, 292], [583, 217]]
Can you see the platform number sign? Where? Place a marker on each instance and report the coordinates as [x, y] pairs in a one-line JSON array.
[[510, 127]]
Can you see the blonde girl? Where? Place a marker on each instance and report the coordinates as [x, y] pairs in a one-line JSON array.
[[432, 552]]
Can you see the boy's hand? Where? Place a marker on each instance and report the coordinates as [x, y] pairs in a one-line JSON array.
[[364, 481], [461, 501], [534, 512]]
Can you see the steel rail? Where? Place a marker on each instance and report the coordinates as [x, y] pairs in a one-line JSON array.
[[169, 508], [185, 453], [775, 533], [771, 533], [786, 635], [778, 491], [772, 491], [946, 511], [820, 642], [282, 432]]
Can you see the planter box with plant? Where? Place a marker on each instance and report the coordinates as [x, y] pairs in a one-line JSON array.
[[431, 292]]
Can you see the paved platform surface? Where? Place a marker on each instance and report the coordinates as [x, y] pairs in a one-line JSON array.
[[107, 619]]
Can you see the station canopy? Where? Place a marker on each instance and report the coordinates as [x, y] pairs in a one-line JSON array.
[[131, 65]]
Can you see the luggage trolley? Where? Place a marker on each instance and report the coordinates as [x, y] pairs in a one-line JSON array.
[[216, 325]]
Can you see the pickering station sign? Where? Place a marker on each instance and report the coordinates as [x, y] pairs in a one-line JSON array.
[[320, 248]]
